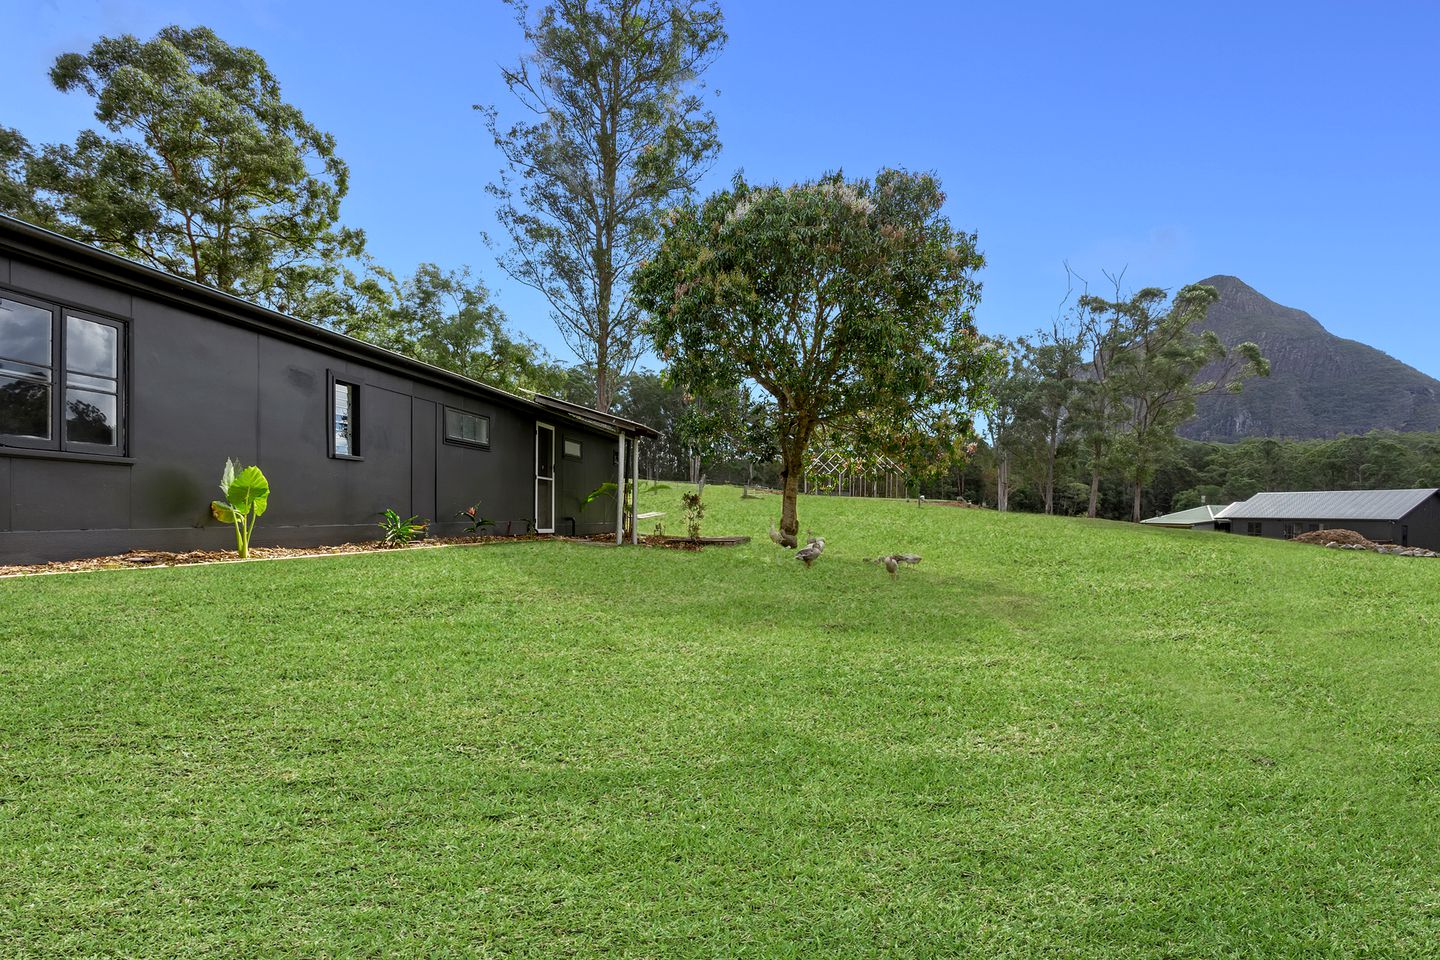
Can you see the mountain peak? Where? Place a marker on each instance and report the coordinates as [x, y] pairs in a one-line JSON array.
[[1320, 385]]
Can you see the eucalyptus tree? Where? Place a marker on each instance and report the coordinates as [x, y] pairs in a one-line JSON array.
[[201, 168], [1097, 413], [848, 302], [1047, 385], [1165, 364], [618, 133], [18, 197]]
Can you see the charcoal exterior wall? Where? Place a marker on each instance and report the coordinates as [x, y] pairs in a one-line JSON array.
[[1419, 528], [207, 382]]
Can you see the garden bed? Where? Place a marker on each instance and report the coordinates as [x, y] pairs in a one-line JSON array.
[[137, 559]]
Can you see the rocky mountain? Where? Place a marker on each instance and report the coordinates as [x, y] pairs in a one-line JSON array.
[[1320, 385]]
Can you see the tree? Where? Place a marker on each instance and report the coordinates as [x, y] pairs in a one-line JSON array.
[[848, 302], [17, 191], [620, 135], [204, 170], [1005, 388], [1158, 374], [648, 397], [731, 426], [1045, 395], [1097, 414], [447, 319]]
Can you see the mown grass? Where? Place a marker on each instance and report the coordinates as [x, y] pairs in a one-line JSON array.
[[1053, 738]]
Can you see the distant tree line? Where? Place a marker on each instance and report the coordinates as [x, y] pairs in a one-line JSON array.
[[1096, 399], [1194, 473]]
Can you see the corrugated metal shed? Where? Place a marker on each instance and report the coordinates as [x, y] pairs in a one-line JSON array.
[[1329, 505], [1187, 518]]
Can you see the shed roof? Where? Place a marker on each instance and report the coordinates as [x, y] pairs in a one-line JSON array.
[[1204, 513], [1329, 505]]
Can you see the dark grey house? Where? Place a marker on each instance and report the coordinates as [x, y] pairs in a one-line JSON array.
[[1409, 518], [124, 389]]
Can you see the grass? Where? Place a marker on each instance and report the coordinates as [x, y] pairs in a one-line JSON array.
[[1053, 738]]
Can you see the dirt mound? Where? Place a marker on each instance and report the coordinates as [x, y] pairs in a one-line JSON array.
[[1344, 538]]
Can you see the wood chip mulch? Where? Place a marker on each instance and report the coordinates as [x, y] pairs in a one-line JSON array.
[[136, 559]]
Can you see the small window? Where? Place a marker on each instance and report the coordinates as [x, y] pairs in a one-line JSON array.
[[572, 449], [1253, 528], [464, 427], [345, 416]]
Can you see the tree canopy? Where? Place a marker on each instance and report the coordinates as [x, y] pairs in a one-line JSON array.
[[201, 169], [848, 302], [619, 133]]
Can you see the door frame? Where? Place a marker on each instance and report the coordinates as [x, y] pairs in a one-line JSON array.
[[535, 469]]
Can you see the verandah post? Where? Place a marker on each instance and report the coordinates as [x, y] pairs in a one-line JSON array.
[[620, 489], [635, 490]]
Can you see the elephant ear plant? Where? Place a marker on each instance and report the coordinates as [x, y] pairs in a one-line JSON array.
[[247, 494]]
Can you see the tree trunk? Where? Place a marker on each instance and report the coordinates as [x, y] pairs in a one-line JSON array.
[[1094, 494], [749, 479], [790, 470], [1135, 508], [602, 368], [1002, 484]]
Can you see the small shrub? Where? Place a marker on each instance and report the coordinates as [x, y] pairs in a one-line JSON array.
[[659, 529], [400, 532], [247, 495], [694, 513], [472, 516]]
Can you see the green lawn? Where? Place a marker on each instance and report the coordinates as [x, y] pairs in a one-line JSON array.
[[1053, 738]]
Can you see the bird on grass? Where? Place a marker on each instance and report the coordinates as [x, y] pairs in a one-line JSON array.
[[810, 553], [892, 562], [781, 539]]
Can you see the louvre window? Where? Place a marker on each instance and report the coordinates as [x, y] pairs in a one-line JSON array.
[[345, 418]]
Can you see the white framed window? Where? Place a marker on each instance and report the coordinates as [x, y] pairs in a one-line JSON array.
[[344, 419]]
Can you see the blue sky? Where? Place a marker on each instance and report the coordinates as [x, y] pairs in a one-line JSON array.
[[1295, 145]]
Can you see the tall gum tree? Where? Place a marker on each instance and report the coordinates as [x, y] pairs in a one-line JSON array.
[[619, 134], [1166, 363], [203, 170], [849, 302]]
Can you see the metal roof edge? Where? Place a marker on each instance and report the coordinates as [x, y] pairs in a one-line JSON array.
[[68, 253]]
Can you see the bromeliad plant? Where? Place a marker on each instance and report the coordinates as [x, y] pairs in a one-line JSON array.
[[472, 516], [247, 495]]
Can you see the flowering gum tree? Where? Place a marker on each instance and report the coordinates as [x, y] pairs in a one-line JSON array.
[[849, 302]]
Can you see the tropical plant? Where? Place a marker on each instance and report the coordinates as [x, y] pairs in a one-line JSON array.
[[247, 495], [400, 531], [471, 515]]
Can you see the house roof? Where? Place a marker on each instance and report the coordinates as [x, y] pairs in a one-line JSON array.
[[1329, 505], [1205, 513], [27, 240], [595, 416]]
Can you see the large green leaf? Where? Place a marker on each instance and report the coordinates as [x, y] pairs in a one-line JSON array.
[[249, 490], [222, 511], [227, 476]]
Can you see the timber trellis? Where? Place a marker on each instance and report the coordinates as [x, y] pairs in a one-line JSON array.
[[830, 472]]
